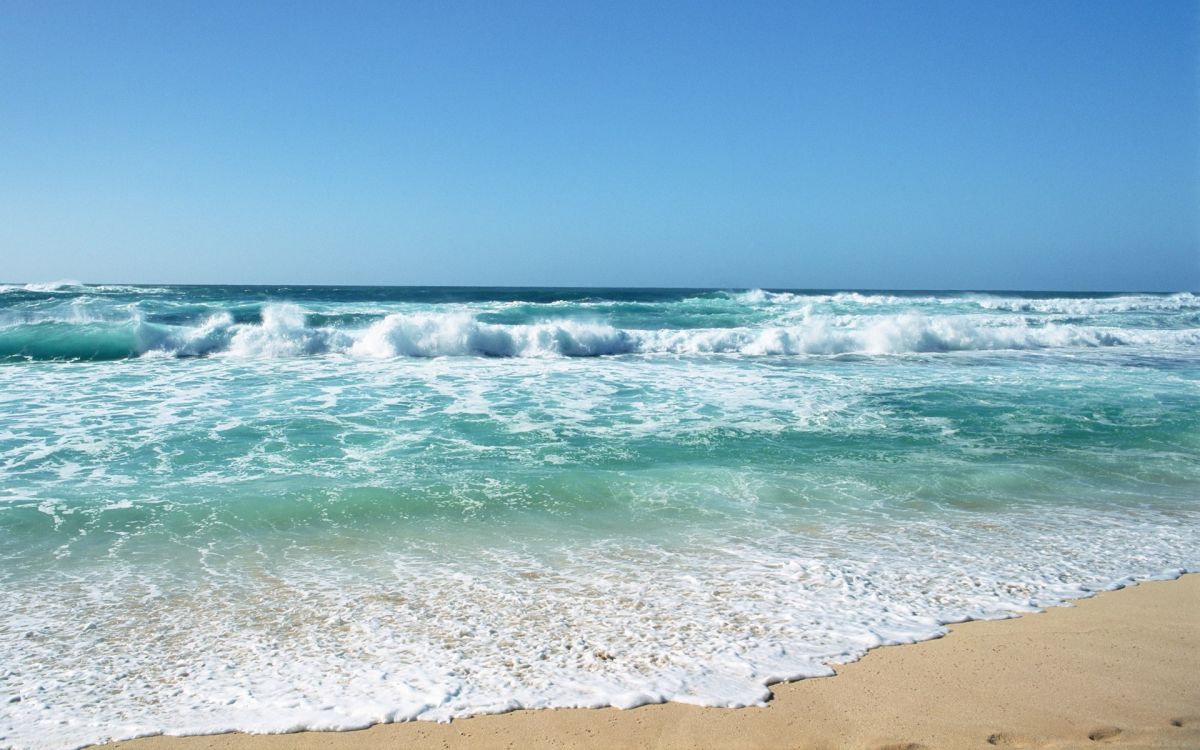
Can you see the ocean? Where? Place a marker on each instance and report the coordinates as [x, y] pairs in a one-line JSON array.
[[275, 508]]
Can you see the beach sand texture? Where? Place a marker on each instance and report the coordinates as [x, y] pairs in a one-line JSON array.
[[1121, 669]]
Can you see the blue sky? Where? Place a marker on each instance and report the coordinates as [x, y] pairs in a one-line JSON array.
[[1000, 145]]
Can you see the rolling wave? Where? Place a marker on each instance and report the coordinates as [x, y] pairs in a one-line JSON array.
[[1098, 305], [284, 330]]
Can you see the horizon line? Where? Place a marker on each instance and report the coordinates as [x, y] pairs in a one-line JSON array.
[[53, 285], [641, 287]]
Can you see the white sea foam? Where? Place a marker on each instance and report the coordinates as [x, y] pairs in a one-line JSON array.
[[763, 297], [281, 333], [1079, 306], [51, 286], [759, 324], [327, 644], [437, 334], [74, 286], [896, 334]]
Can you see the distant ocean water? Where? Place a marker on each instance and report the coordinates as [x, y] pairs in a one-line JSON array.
[[273, 508]]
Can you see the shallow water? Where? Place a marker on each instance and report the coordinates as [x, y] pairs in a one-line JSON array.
[[273, 508]]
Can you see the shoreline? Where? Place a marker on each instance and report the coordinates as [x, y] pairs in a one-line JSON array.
[[1119, 668]]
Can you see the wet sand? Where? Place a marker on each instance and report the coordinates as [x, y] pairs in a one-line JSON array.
[[1121, 669]]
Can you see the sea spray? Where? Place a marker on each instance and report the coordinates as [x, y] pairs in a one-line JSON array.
[[45, 323]]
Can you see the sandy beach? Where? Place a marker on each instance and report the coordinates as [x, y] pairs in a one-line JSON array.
[[1119, 669]]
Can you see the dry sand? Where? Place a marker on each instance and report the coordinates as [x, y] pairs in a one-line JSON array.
[[1121, 669]]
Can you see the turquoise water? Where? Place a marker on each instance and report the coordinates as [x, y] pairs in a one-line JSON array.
[[275, 508]]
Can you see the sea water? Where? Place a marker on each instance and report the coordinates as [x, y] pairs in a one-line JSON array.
[[276, 508]]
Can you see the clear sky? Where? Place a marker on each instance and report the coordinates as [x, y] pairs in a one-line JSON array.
[[993, 145]]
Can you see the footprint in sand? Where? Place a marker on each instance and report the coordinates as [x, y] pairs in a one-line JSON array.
[[1103, 733], [1006, 739], [903, 746]]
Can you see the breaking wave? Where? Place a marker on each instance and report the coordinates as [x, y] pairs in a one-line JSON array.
[[1100, 305], [285, 330]]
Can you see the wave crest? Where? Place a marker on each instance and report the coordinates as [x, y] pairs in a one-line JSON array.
[[285, 330], [456, 334]]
